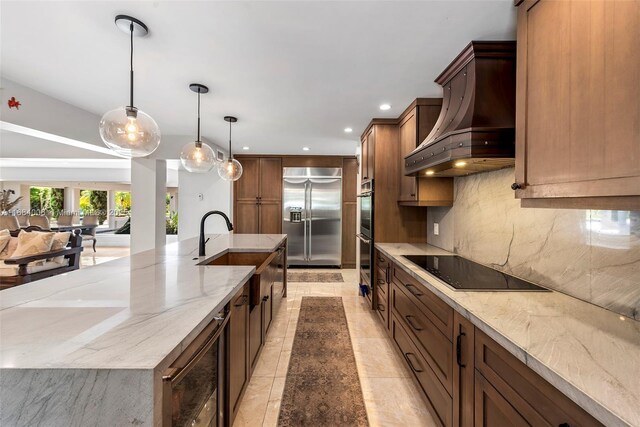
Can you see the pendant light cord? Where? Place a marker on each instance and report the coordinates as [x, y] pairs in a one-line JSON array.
[[131, 69], [198, 140], [230, 155]]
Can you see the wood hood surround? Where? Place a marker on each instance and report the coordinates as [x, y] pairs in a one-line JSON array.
[[477, 122]]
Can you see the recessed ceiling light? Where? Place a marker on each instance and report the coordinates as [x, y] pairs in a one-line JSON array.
[[385, 107], [305, 148], [460, 163], [348, 130], [430, 172], [245, 148]]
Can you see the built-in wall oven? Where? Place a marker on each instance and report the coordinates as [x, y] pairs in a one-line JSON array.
[[365, 237], [193, 386]]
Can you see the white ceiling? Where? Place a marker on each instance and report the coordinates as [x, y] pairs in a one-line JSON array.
[[295, 73]]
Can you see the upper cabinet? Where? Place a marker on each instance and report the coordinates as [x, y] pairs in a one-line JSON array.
[[414, 126], [368, 150], [578, 104]]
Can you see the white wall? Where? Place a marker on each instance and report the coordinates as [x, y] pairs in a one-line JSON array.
[[216, 196]]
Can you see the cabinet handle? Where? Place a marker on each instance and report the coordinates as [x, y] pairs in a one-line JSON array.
[[381, 282], [388, 274], [516, 186], [410, 288], [406, 356], [564, 425], [412, 323], [265, 298], [459, 348], [413, 194], [380, 307]]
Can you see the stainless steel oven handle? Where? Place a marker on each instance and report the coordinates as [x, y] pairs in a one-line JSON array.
[[364, 239], [177, 374]]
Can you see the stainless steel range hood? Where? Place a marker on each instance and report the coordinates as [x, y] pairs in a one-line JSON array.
[[475, 131]]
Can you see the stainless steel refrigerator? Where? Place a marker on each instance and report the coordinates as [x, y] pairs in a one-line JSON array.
[[312, 216]]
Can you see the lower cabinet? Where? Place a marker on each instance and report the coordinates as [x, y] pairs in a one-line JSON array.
[[238, 332], [466, 377]]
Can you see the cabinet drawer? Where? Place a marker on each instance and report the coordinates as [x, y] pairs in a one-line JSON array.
[[437, 310], [381, 281], [533, 397], [439, 402], [382, 307], [381, 260], [432, 343]]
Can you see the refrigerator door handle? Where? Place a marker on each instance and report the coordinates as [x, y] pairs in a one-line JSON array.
[[310, 218], [306, 218]]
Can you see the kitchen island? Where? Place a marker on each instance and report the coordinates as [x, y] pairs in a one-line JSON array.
[[89, 347]]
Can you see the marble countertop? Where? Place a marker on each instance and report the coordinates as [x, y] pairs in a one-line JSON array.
[[590, 354], [136, 312]]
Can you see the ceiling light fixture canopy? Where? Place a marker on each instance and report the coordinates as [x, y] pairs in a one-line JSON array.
[[198, 157], [231, 170], [126, 130]]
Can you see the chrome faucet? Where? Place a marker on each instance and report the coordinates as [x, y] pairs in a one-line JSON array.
[[202, 241]]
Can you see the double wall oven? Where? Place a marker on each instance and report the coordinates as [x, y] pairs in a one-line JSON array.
[[365, 237]]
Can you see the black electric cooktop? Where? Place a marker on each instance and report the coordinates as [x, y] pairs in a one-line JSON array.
[[460, 273]]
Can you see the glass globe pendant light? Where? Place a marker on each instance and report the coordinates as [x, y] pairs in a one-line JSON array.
[[198, 157], [126, 130], [231, 170]]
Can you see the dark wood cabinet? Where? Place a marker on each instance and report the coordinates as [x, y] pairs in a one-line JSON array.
[[381, 280], [238, 332], [530, 396], [467, 378], [414, 126], [438, 400], [368, 155], [463, 371], [578, 104], [258, 196]]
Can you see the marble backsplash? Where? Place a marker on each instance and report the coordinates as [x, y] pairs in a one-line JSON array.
[[593, 255]]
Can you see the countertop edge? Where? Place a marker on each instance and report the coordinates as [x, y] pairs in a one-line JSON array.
[[578, 396]]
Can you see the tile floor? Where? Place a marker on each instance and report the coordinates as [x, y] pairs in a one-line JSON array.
[[391, 397], [89, 258]]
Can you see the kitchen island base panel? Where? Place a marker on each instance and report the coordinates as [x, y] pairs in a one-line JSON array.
[[77, 397]]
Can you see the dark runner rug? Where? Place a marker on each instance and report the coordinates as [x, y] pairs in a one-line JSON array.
[[308, 277], [322, 386]]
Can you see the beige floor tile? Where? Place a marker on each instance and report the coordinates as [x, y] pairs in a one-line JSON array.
[[283, 364], [366, 325], [392, 402], [254, 403], [376, 358], [89, 258], [269, 357]]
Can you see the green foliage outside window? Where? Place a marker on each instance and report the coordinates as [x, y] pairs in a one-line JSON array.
[[94, 202], [46, 200]]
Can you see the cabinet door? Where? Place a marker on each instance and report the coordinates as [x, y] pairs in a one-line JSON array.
[[408, 143], [463, 371], [246, 217], [247, 187], [364, 159], [578, 102], [371, 148], [493, 410], [349, 180], [270, 179], [349, 212], [270, 217], [238, 348]]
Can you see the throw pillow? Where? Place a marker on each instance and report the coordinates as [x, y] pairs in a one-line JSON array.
[[5, 236], [60, 241], [33, 243], [9, 249]]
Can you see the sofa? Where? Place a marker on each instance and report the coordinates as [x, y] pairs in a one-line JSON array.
[[31, 254]]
